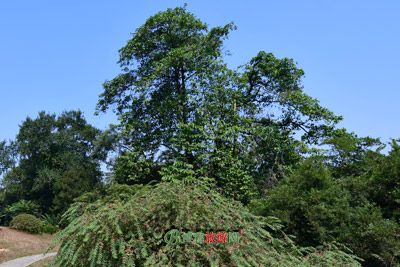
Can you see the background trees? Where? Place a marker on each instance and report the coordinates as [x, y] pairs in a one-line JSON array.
[[317, 208], [7, 156], [384, 185], [58, 159]]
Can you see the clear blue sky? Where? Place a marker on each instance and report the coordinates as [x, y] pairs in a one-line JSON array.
[[54, 55]]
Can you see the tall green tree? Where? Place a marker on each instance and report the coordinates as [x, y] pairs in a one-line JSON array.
[[59, 159], [183, 110], [8, 156], [384, 183], [350, 155]]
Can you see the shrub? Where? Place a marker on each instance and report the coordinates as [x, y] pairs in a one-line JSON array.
[[22, 206], [129, 232], [116, 193], [53, 219], [49, 228], [28, 223]]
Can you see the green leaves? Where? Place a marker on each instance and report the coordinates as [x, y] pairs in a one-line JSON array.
[[317, 208], [134, 168], [59, 158], [127, 232], [8, 156], [275, 83], [185, 113]]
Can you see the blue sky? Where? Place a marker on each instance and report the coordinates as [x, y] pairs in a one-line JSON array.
[[55, 55]]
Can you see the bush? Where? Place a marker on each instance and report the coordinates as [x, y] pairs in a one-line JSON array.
[[49, 228], [115, 193], [22, 206], [53, 219], [129, 232], [28, 223]]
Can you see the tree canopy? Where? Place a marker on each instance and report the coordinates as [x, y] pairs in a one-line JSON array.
[[55, 154], [182, 110]]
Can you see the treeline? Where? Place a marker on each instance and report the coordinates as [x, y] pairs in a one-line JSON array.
[[249, 134], [53, 160]]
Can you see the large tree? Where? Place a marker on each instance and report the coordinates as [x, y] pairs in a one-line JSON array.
[[184, 111], [59, 159], [8, 156]]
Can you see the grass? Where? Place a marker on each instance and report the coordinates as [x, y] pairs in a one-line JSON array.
[[15, 244]]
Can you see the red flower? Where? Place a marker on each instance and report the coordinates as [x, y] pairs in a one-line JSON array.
[[222, 237], [210, 237]]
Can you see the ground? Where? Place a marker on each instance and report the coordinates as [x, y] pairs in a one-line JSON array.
[[15, 244]]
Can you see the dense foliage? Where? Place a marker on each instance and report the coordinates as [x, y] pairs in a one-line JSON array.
[[129, 230], [17, 208], [184, 112], [7, 156], [58, 158], [316, 208], [198, 144], [28, 223]]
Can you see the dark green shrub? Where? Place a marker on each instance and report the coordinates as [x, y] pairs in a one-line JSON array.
[[28, 223], [130, 168], [129, 232], [53, 219], [49, 228], [22, 206]]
